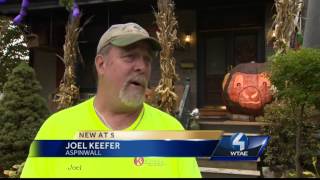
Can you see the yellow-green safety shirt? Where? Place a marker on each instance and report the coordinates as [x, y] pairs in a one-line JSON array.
[[65, 125]]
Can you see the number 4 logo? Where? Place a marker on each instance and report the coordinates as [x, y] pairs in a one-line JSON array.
[[239, 141]]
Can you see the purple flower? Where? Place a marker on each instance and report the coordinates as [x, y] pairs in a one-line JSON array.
[[25, 4], [17, 20], [23, 12], [2, 1], [76, 12]]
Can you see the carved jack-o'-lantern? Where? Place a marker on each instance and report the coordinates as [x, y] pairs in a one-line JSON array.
[[246, 89]]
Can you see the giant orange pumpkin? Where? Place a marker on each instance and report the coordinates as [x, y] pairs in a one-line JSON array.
[[246, 89]]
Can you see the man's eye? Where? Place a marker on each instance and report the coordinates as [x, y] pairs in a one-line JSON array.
[[128, 57]]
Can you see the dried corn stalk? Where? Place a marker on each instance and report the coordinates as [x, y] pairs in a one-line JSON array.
[[285, 23], [15, 171], [68, 92], [167, 35]]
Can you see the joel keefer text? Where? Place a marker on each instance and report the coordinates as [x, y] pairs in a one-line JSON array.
[[74, 148]]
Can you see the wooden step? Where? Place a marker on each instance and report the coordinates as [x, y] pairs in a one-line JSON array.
[[219, 114], [232, 126], [209, 172], [226, 116], [212, 113], [244, 165], [218, 107], [213, 110], [229, 122], [215, 117]]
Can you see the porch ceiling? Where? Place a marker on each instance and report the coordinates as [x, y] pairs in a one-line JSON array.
[[13, 6]]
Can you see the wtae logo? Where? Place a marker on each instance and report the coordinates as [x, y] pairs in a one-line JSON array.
[[239, 143], [239, 147]]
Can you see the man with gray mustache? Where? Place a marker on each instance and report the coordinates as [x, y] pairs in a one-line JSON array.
[[123, 66]]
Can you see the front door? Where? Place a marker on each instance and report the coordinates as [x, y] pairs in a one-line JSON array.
[[218, 53]]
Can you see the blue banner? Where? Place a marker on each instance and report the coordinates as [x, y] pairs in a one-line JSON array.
[[237, 147], [124, 148]]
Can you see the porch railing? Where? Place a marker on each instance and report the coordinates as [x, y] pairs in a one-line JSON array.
[[183, 114]]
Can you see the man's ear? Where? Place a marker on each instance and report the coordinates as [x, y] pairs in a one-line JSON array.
[[99, 62]]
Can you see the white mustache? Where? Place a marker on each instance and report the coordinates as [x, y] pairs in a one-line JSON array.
[[139, 79]]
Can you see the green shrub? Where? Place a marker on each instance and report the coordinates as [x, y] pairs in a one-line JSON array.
[[280, 153], [22, 111], [296, 76]]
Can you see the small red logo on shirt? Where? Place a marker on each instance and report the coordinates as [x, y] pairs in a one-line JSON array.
[[138, 161]]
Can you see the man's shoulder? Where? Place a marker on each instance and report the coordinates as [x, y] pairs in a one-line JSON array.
[[164, 119], [67, 118], [73, 112]]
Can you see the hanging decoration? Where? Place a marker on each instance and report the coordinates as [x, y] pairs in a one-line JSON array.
[[167, 35], [23, 12], [68, 93], [286, 24]]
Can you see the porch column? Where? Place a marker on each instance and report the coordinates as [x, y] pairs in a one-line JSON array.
[[312, 28]]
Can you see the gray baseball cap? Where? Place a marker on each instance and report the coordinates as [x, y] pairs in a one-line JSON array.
[[122, 35]]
